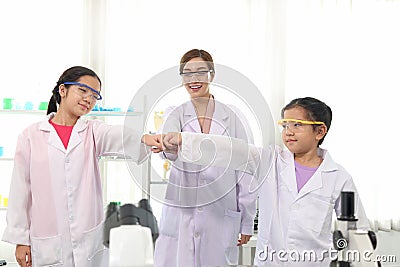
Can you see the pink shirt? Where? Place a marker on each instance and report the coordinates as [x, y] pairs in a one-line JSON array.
[[64, 132], [303, 174]]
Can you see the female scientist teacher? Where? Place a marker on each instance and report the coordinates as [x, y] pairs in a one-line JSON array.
[[205, 208]]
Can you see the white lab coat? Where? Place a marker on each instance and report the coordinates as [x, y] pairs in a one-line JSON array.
[[208, 207], [55, 203], [288, 220]]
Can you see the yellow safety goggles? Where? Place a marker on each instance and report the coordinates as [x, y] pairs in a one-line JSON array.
[[295, 125]]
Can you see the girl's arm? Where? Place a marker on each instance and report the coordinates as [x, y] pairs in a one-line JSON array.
[[224, 151], [359, 212], [118, 140], [20, 199]]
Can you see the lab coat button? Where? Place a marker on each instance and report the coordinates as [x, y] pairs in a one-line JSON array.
[[200, 208], [196, 234], [67, 161]]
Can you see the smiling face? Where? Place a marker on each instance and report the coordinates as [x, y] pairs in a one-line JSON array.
[[196, 77], [77, 100], [301, 139]]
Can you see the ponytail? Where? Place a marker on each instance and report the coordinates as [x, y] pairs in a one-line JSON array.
[[54, 100]]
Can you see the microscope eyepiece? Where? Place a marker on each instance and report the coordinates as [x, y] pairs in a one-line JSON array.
[[347, 206], [145, 204], [128, 214]]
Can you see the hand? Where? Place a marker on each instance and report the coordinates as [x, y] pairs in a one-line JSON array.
[[23, 255], [155, 141], [243, 239], [171, 142]]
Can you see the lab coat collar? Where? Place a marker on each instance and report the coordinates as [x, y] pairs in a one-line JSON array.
[[288, 174], [328, 164], [189, 113], [219, 121], [315, 182], [54, 139]]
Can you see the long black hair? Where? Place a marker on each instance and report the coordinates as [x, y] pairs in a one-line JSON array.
[[70, 75], [316, 111]]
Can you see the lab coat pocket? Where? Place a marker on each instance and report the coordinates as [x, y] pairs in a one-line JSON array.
[[47, 251], [93, 240], [317, 215], [232, 221], [231, 226]]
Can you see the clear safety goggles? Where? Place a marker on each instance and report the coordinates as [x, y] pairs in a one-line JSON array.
[[86, 91], [197, 76], [297, 126]]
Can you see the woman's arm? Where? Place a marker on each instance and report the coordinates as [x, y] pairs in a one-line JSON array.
[[246, 201], [245, 195], [171, 123]]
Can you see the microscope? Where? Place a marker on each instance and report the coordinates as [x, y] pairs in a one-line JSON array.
[[355, 247], [130, 232]]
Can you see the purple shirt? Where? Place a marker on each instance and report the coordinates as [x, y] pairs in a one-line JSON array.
[[303, 174]]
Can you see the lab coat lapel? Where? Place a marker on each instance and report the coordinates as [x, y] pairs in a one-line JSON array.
[[315, 181], [287, 173], [219, 123], [75, 138], [53, 139], [191, 123]]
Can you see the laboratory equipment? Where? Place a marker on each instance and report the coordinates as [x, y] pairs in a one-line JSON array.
[[130, 233], [355, 247]]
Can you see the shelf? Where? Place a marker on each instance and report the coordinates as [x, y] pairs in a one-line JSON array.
[[113, 113], [102, 159], [91, 114], [112, 158], [108, 158], [6, 159], [159, 182], [25, 112]]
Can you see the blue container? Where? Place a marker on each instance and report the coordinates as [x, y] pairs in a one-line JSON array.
[[28, 105]]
